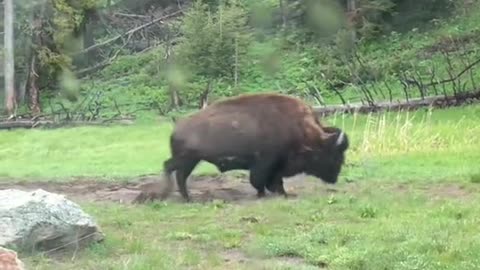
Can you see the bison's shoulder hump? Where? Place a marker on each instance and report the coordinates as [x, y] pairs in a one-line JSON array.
[[261, 101]]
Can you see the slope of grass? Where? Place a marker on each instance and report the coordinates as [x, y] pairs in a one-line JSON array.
[[295, 68]]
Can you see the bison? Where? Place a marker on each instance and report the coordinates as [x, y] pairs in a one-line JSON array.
[[271, 135]]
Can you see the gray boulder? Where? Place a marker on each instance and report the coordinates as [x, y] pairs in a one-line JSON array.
[[43, 221]]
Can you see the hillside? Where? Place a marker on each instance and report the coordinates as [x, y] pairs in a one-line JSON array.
[[429, 58]]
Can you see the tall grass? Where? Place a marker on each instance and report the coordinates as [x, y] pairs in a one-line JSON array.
[[409, 132], [417, 145]]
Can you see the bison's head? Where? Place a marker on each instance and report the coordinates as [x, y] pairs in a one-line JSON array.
[[328, 161], [324, 160]]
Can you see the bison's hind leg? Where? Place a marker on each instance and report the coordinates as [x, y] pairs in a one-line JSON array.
[[184, 168], [168, 169], [155, 190]]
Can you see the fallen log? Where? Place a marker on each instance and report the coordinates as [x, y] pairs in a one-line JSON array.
[[23, 124], [413, 104], [29, 124]]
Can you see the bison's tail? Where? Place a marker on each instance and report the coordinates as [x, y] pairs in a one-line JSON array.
[[168, 170]]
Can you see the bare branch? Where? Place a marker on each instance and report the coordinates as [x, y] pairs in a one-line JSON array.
[[103, 64], [405, 85], [389, 90], [129, 32], [119, 14], [315, 92], [419, 84], [454, 79], [432, 79]]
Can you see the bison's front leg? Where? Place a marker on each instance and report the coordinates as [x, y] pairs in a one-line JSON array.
[[275, 181], [275, 185], [259, 175], [262, 173], [258, 183]]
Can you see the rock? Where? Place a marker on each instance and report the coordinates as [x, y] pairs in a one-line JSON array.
[[43, 221], [9, 260]]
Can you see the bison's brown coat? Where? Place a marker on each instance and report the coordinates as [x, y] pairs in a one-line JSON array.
[[272, 135]]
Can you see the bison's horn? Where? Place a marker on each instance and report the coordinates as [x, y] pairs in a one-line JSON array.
[[340, 139]]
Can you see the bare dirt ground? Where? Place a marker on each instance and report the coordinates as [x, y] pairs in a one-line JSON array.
[[226, 187]]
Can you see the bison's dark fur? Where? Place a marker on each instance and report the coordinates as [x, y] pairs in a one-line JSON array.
[[271, 135]]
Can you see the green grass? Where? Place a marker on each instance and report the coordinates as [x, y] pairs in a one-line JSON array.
[[366, 229], [408, 200], [445, 143]]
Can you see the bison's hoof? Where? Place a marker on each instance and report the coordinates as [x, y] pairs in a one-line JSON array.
[[261, 194], [290, 195], [187, 199]]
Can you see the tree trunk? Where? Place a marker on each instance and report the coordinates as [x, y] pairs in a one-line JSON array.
[[174, 98], [10, 101], [87, 35], [204, 96], [33, 88], [284, 14], [32, 81], [352, 11], [236, 62]]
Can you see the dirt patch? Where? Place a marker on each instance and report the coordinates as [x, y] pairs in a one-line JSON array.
[[450, 191], [226, 187], [434, 191], [236, 257]]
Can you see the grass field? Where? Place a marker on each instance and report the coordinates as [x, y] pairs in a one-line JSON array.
[[407, 199]]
